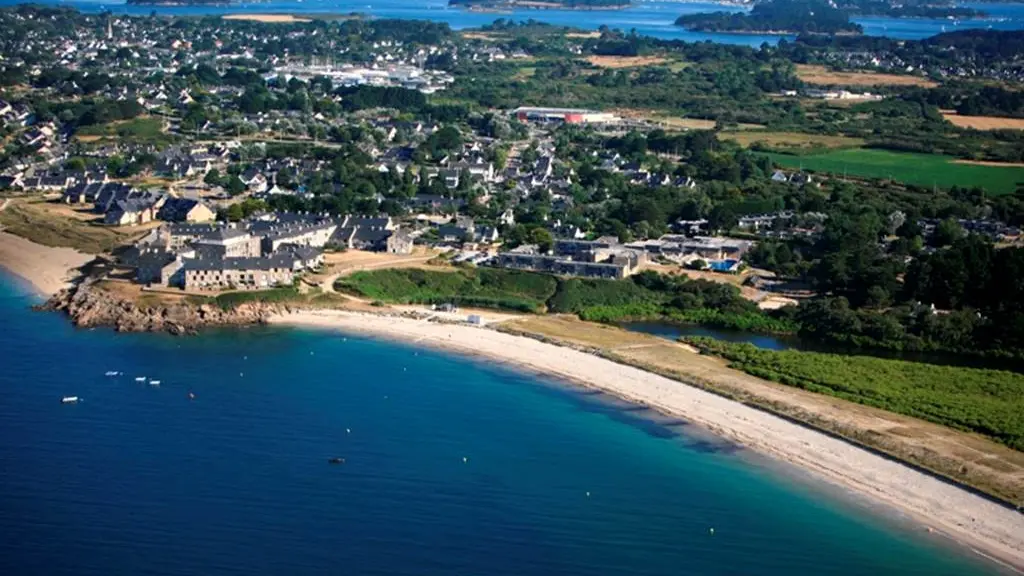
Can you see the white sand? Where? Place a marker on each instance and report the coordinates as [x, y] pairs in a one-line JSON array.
[[47, 269], [989, 528]]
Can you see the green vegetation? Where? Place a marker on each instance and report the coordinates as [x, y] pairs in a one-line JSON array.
[[988, 402], [910, 168], [484, 287], [650, 296], [646, 296], [146, 129]]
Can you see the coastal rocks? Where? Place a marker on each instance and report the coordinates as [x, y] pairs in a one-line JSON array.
[[89, 305]]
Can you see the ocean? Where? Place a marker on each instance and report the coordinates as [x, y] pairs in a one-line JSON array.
[[452, 466], [649, 17]]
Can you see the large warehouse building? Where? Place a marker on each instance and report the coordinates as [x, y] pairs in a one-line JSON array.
[[567, 115]]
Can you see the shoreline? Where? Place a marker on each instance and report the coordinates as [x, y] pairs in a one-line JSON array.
[[991, 530], [46, 269]]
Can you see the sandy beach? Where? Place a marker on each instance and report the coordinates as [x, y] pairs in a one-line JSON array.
[[989, 528], [48, 269]]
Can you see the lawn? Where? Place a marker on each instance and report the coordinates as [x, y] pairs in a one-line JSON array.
[[910, 168]]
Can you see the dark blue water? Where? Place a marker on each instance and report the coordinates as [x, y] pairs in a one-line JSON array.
[[675, 331], [141, 480], [652, 18]]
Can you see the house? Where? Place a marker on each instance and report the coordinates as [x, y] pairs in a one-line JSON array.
[[185, 210], [157, 265], [399, 242], [130, 212], [237, 273], [302, 257], [11, 182], [258, 184], [221, 243], [302, 233], [780, 176]]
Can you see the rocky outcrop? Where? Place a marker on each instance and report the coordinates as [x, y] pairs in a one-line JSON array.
[[88, 305]]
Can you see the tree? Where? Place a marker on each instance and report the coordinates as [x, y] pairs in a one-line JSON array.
[[542, 238], [946, 233], [234, 213], [212, 177]]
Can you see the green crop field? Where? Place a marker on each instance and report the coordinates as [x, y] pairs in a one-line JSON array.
[[920, 169]]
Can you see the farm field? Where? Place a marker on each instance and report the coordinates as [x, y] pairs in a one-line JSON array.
[[795, 140], [822, 76], [625, 61], [984, 122], [906, 167]]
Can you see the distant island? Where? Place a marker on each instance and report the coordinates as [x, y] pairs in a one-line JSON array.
[[541, 4], [179, 2], [936, 9], [820, 16], [776, 17]]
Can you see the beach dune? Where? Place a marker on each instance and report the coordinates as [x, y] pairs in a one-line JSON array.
[[990, 528]]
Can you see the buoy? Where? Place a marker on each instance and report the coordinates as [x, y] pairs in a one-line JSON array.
[[588, 494], [310, 352], [348, 430], [711, 530], [464, 459], [241, 374], [191, 396]]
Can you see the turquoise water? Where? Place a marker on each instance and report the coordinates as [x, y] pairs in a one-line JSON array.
[[652, 18], [675, 331], [141, 480]]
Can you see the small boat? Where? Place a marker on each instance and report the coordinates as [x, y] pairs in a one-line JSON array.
[[191, 396], [69, 400], [112, 373], [140, 379], [154, 382], [336, 461]]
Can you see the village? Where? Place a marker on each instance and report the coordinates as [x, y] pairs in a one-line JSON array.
[[241, 163]]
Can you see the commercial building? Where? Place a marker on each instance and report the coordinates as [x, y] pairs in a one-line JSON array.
[[567, 115]]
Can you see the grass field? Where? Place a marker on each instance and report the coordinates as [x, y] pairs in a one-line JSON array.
[[909, 168], [791, 140], [984, 122], [824, 77], [57, 225]]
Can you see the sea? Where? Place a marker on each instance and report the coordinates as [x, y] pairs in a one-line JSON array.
[[649, 17], [451, 466]]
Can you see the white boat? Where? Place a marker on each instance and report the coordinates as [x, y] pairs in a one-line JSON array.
[[140, 379], [112, 373], [154, 382], [69, 400]]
